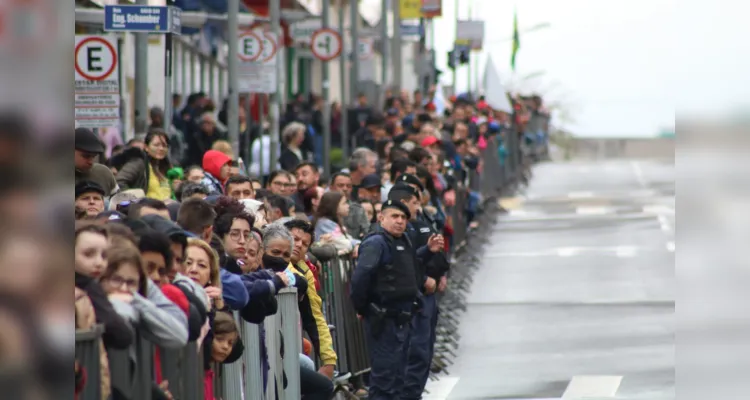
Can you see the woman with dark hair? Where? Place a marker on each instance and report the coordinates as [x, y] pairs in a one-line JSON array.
[[333, 207], [311, 200], [146, 169]]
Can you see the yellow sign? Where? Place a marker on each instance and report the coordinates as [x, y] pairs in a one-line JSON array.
[[410, 9]]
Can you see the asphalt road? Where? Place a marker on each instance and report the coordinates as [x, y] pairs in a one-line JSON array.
[[575, 296]]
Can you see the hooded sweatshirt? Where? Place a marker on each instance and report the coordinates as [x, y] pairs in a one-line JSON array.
[[213, 160]]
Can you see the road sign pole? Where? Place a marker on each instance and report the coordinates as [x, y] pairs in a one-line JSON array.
[[233, 115], [326, 98], [354, 22], [397, 47], [168, 65], [141, 79], [276, 98], [344, 102], [384, 50]]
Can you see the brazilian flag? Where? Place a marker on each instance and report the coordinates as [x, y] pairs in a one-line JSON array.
[[516, 41]]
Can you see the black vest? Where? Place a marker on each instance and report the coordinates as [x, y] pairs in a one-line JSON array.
[[396, 278]]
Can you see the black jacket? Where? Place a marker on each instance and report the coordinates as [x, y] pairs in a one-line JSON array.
[[117, 333]]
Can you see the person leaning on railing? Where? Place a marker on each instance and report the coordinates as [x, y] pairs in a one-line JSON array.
[[319, 332]]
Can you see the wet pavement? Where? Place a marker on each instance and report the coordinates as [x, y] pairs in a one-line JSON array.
[[575, 294]]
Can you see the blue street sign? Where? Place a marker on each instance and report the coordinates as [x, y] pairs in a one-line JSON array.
[[136, 18]]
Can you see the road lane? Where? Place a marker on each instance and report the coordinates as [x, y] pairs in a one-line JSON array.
[[572, 301]]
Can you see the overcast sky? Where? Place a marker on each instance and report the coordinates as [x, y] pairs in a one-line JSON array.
[[610, 63]]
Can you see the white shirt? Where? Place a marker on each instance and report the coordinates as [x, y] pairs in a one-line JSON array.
[[255, 168]]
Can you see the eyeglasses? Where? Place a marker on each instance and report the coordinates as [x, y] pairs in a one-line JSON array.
[[235, 235], [118, 281]]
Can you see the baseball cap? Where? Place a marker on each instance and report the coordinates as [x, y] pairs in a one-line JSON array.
[[429, 141], [371, 181], [88, 141], [84, 187]]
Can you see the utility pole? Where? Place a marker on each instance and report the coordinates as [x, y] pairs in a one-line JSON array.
[[275, 100], [141, 79], [326, 98], [384, 49], [233, 115], [344, 103], [397, 47]]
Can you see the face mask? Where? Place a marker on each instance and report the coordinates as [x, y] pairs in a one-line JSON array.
[[274, 263]]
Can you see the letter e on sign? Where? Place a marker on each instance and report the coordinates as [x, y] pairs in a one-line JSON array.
[[95, 58], [250, 46]]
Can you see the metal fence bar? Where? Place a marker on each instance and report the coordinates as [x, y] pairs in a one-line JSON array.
[[275, 385], [291, 332], [89, 357], [253, 374], [232, 373]]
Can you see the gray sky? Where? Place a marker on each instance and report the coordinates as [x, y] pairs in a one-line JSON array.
[[608, 63]]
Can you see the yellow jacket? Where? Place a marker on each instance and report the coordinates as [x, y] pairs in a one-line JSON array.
[[324, 346]]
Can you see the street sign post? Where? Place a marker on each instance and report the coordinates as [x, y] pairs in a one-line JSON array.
[[326, 44], [97, 79], [139, 18], [257, 72], [148, 19]]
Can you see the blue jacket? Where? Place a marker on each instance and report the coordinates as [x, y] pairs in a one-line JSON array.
[[233, 291]]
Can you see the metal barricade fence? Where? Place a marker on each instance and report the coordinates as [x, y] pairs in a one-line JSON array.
[[88, 355], [348, 334], [132, 373]]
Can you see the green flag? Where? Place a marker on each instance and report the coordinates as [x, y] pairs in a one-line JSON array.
[[516, 41]]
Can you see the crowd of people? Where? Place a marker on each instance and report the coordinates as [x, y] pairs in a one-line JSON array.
[[174, 233]]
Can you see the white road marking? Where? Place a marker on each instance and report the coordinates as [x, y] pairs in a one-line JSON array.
[[567, 251], [441, 388], [670, 246], [664, 223], [658, 209], [626, 251], [638, 173], [594, 386], [580, 195], [593, 210]]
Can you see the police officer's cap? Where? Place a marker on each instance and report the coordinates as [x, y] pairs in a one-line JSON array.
[[411, 180], [404, 188], [397, 205]]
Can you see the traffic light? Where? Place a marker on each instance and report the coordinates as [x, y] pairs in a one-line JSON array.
[[463, 56], [452, 59]]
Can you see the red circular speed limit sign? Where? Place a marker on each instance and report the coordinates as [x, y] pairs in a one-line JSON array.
[[326, 44]]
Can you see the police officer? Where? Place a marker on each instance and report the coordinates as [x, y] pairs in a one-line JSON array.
[[424, 322], [385, 292]]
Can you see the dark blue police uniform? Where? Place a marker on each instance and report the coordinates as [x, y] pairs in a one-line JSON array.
[[384, 290], [424, 322]]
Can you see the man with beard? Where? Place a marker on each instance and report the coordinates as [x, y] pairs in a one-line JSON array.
[[308, 176]]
